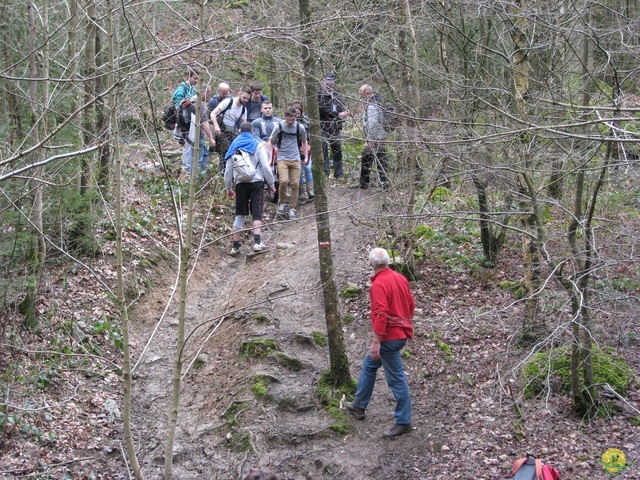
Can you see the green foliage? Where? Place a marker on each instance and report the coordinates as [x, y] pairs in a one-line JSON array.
[[444, 348], [319, 338], [456, 244], [331, 397], [232, 413], [348, 319], [260, 347], [109, 329], [440, 194], [544, 367], [240, 442], [259, 386], [519, 290]]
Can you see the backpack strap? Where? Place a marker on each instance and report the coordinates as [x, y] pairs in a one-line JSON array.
[[539, 469], [517, 464], [287, 133]]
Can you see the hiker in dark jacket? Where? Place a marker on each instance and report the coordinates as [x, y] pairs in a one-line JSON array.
[[332, 114]]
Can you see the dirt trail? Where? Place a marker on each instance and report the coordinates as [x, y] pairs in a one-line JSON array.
[[458, 368], [289, 430]]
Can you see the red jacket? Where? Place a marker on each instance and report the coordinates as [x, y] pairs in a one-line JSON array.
[[392, 306]]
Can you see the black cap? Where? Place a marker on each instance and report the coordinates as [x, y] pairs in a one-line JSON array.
[[330, 76]]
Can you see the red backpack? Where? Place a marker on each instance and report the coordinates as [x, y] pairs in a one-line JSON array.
[[531, 468]]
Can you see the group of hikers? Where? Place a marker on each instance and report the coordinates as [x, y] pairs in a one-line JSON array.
[[279, 148]]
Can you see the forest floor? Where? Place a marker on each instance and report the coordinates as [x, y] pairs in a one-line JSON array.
[[463, 368]]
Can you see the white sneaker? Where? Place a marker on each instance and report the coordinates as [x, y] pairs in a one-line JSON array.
[[281, 210], [234, 252], [292, 214], [259, 247]]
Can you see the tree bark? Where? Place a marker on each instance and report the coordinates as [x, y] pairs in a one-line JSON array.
[[339, 363]]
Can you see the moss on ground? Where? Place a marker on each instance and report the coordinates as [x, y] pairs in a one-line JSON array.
[[557, 364], [331, 396], [260, 347]]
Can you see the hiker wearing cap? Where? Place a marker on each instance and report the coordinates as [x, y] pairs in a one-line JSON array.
[[248, 194], [392, 307], [332, 114], [375, 149]]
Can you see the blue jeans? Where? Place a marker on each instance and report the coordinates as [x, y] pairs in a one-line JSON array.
[[306, 176], [391, 360], [203, 156], [332, 140]]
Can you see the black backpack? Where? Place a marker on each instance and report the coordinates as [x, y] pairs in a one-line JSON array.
[[169, 117], [184, 115]]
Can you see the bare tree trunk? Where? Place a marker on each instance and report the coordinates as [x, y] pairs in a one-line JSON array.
[[38, 130], [339, 363], [185, 257], [89, 73], [532, 325], [124, 314]]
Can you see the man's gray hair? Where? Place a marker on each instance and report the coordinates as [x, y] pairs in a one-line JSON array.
[[379, 257]]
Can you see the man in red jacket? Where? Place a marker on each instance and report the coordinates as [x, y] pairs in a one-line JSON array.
[[392, 307]]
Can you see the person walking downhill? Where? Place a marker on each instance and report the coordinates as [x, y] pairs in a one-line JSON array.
[[392, 307], [248, 195], [306, 175], [227, 118], [375, 149], [290, 138], [182, 94]]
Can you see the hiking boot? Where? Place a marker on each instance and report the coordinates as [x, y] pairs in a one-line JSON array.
[[303, 198], [397, 430], [259, 247], [280, 212], [292, 214], [310, 193], [355, 411], [234, 252]]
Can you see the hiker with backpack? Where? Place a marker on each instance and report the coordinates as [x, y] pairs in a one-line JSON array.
[[222, 94], [306, 175], [181, 95], [227, 118], [187, 125], [290, 137], [248, 190], [392, 307], [375, 149]]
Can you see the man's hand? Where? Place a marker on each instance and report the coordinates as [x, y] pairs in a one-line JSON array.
[[272, 189], [374, 350], [231, 193]]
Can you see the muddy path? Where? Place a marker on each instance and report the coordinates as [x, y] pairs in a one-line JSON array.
[[288, 431]]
